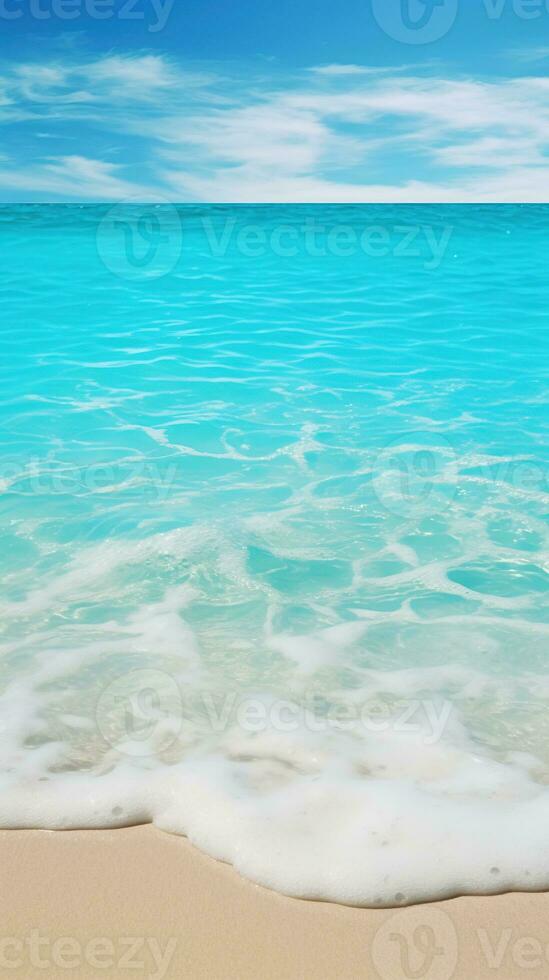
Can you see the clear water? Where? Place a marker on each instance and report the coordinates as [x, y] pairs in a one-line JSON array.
[[274, 537]]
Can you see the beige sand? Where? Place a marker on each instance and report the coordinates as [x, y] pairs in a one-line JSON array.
[[141, 904]]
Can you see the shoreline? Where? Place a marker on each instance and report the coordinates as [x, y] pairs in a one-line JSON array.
[[141, 903]]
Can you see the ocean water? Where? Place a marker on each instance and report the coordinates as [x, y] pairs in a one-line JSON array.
[[274, 564]]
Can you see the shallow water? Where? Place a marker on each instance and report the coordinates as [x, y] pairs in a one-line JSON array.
[[274, 537]]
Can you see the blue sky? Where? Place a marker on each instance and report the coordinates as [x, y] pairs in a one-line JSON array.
[[274, 100]]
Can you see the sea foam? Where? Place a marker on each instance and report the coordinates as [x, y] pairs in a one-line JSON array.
[[275, 551]]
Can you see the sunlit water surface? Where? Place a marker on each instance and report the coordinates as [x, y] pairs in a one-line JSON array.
[[274, 538]]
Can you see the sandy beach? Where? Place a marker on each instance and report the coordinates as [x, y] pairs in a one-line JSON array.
[[141, 903]]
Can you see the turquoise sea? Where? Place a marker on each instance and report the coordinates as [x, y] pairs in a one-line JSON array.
[[273, 514]]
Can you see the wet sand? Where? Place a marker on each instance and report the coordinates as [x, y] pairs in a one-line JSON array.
[[141, 904]]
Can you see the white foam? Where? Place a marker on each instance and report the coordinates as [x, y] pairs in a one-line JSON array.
[[330, 742], [327, 832]]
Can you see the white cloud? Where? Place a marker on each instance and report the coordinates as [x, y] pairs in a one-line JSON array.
[[334, 70], [496, 152], [45, 84], [245, 187], [73, 177], [111, 79], [530, 54], [272, 136], [141, 77], [333, 133], [296, 145], [148, 71]]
